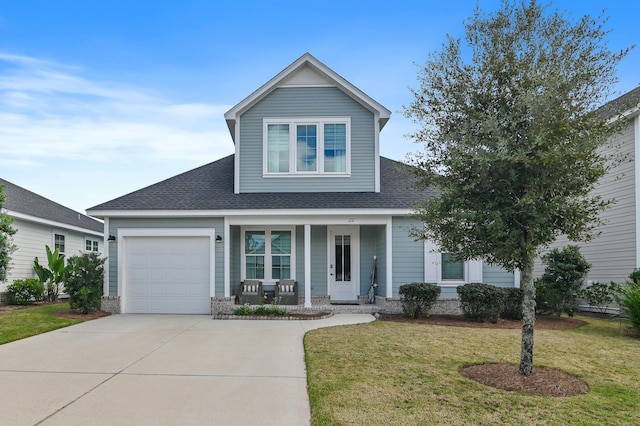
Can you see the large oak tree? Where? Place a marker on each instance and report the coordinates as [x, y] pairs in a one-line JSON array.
[[513, 139]]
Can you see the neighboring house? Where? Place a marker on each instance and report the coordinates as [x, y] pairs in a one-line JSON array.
[[41, 222], [306, 196], [615, 252]]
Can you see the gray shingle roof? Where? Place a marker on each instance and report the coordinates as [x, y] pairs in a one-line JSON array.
[[210, 187], [24, 201], [621, 104]]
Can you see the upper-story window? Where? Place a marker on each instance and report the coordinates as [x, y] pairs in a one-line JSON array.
[[307, 146]]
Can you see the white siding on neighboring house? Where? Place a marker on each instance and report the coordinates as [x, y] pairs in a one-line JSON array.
[[31, 239], [613, 253]]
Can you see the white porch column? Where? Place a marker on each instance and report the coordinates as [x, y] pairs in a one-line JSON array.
[[389, 243], [307, 266], [227, 257]]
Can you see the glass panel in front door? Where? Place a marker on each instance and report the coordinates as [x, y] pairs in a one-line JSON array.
[[343, 257]]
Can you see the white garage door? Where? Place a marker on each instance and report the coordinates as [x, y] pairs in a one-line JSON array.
[[167, 275]]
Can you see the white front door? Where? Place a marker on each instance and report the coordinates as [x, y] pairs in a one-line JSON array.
[[344, 263]]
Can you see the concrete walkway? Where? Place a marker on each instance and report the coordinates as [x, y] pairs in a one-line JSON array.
[[161, 370]]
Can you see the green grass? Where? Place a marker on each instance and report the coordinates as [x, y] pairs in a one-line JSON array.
[[18, 324], [407, 374]]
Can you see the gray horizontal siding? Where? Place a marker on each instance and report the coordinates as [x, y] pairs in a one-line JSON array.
[[319, 271], [307, 102], [408, 255], [495, 275], [141, 223], [371, 244], [612, 254]]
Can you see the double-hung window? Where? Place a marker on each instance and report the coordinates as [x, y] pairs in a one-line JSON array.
[[310, 146], [267, 254], [59, 243], [90, 245]]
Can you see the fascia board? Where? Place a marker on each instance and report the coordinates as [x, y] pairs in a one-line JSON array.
[[52, 223], [247, 212]]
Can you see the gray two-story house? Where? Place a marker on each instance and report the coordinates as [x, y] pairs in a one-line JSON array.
[[306, 196]]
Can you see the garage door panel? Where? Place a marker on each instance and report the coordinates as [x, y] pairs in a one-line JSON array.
[[168, 274]]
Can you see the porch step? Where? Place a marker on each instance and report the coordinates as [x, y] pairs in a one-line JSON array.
[[344, 302]]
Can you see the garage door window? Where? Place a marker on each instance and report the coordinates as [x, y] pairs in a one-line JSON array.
[[268, 254]]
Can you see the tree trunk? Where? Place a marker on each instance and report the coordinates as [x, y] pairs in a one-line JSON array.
[[528, 317]]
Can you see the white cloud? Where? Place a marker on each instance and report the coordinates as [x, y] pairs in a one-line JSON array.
[[49, 110], [80, 142]]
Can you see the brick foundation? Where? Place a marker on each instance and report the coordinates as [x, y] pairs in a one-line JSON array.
[[110, 304]]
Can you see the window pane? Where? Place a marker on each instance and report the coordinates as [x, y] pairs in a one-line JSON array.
[[335, 148], [88, 245], [254, 242], [278, 148], [306, 143], [95, 246], [281, 267], [452, 269], [281, 242], [58, 242], [255, 267], [343, 257]]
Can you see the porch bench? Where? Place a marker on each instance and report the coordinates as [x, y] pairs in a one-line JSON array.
[[251, 292], [287, 292]]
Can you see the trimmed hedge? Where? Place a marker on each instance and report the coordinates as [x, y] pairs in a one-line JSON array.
[[512, 308], [481, 302], [25, 292], [417, 299]]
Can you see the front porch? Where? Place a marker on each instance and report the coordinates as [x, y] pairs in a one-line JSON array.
[[329, 262]]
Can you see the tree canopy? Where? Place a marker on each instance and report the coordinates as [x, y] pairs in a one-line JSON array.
[[513, 139]]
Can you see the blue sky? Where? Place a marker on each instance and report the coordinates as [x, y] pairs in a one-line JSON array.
[[98, 99]]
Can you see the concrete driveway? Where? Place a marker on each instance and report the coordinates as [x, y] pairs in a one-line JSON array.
[[161, 370]]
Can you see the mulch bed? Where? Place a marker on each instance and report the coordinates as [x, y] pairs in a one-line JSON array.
[[542, 382], [73, 314]]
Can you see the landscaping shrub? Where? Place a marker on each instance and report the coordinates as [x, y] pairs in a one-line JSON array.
[[629, 300], [481, 302], [600, 295], [83, 281], [417, 299], [25, 292], [563, 276], [260, 310], [512, 308]]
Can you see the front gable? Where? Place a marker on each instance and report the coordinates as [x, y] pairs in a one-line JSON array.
[[307, 130]]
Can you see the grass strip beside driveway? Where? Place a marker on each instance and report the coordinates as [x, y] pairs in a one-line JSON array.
[[408, 374], [20, 323]]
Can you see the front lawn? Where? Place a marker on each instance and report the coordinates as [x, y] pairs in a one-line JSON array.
[[408, 374], [21, 323]]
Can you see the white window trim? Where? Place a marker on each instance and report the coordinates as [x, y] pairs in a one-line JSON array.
[[319, 122], [267, 255], [433, 268]]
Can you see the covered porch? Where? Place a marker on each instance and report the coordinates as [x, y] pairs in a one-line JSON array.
[[333, 260]]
